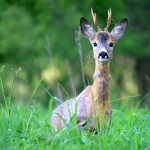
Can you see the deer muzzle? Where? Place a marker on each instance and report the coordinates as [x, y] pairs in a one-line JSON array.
[[103, 56]]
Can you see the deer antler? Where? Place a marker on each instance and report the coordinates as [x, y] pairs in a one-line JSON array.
[[108, 19], [94, 19]]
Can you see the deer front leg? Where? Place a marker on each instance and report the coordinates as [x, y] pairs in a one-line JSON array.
[[81, 122], [86, 122]]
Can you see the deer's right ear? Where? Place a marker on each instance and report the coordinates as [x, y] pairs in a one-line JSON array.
[[86, 28]]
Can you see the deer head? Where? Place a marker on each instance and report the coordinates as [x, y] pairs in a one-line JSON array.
[[103, 41]]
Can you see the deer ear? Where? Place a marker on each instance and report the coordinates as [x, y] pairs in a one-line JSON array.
[[86, 28], [119, 29]]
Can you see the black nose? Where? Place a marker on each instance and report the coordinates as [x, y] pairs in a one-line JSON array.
[[103, 55]]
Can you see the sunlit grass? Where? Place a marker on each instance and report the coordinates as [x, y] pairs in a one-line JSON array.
[[28, 127]]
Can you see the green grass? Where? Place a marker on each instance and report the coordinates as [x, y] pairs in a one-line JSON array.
[[28, 127]]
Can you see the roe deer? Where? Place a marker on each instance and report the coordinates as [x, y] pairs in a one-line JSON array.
[[93, 105]]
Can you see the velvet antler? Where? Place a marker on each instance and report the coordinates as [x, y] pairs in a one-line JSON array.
[[95, 19], [108, 19]]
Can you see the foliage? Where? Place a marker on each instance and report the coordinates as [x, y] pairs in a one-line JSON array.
[[39, 37]]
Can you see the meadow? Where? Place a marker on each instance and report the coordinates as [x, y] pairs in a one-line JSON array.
[[28, 127], [43, 40]]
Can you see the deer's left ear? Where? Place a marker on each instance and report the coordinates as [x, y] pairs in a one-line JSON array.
[[86, 28], [119, 29]]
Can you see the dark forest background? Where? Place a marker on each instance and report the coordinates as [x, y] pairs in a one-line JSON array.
[[39, 40]]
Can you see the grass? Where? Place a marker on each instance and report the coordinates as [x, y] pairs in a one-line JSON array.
[[28, 127]]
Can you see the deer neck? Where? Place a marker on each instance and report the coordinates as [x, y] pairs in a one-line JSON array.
[[100, 87]]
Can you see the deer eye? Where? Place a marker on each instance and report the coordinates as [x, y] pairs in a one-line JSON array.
[[111, 44], [95, 44]]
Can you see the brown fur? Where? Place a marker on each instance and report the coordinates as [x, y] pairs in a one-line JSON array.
[[92, 106], [91, 103]]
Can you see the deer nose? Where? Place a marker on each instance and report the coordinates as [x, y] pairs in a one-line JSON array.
[[103, 55]]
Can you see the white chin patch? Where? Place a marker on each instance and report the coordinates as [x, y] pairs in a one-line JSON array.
[[103, 59]]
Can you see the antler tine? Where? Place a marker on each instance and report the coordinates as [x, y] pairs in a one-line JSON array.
[[94, 19], [108, 19]]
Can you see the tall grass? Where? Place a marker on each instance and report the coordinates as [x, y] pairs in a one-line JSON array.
[[29, 128]]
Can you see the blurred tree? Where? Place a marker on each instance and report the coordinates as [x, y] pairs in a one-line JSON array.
[[138, 44], [39, 36], [26, 30]]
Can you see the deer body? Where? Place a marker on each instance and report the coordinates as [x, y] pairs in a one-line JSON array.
[[92, 105]]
